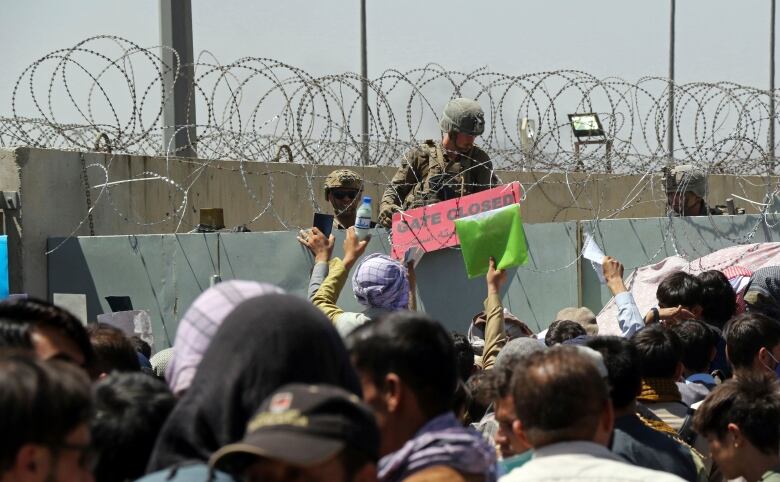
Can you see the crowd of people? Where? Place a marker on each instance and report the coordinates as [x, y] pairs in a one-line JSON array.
[[263, 385]]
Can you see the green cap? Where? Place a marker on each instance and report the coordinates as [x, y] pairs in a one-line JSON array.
[[463, 115]]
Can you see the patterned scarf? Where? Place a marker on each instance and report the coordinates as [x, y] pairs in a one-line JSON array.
[[381, 282], [441, 441], [656, 390]]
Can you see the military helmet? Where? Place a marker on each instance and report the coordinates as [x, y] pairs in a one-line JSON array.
[[463, 115], [685, 178], [344, 179]]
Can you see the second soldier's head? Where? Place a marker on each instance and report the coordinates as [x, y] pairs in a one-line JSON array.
[[343, 188]]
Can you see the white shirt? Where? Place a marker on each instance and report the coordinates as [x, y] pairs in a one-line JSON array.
[[578, 461]]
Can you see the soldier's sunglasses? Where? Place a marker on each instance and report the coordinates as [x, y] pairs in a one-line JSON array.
[[340, 195]]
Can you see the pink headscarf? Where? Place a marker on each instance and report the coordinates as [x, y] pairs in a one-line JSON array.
[[201, 321]]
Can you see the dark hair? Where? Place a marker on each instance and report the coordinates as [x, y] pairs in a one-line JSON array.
[[480, 396], [746, 335], [559, 396], [130, 409], [141, 346], [414, 347], [41, 402], [679, 289], [113, 350], [464, 355], [563, 330], [660, 352], [36, 312], [718, 298], [15, 335], [699, 341], [752, 403], [622, 361]]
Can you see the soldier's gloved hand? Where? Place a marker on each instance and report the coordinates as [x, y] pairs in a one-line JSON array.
[[386, 216]]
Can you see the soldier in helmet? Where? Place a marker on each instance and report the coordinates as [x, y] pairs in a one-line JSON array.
[[437, 171], [686, 188], [343, 189]]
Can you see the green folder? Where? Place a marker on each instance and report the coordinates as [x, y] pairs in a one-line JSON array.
[[497, 233]]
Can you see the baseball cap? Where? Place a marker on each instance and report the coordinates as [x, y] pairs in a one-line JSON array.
[[303, 425]]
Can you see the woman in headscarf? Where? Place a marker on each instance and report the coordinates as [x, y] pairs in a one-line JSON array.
[[264, 343], [200, 322], [380, 283]]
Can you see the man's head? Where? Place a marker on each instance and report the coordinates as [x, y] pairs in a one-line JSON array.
[[464, 355], [622, 361], [343, 188], [499, 388], [699, 345], [406, 365], [381, 282], [582, 315], [718, 298], [660, 352], [560, 397], [563, 330], [46, 408], [306, 433], [740, 420], [680, 289], [763, 293], [130, 409], [54, 332], [686, 188], [113, 351], [753, 343], [461, 122]]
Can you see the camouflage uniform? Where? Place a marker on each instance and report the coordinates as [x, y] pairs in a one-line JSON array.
[[411, 186], [427, 175], [686, 178]]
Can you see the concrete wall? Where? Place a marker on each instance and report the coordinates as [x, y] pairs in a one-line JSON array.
[[266, 197], [165, 273]]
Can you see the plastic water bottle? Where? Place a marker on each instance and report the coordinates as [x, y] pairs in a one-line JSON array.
[[363, 219]]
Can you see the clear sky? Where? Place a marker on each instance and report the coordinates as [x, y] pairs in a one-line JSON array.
[[716, 39]]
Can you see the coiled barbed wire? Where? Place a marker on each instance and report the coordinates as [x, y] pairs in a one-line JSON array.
[[107, 94], [250, 107]]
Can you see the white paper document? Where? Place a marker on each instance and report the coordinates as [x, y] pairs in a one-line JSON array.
[[593, 253]]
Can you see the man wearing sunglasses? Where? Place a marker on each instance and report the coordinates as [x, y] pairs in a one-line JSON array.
[[46, 406], [343, 190], [437, 171]]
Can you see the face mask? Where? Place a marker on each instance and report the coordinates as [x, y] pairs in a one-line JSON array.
[[777, 363]]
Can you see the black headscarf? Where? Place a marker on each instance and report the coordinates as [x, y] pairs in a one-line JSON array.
[[266, 342]]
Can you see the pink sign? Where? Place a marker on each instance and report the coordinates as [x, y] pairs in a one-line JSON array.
[[433, 227]]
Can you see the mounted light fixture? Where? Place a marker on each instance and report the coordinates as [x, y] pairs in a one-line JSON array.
[[586, 125]]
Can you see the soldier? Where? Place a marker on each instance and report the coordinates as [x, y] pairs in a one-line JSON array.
[[686, 188], [437, 171], [343, 189]]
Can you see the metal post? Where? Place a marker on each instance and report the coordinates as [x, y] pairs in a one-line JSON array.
[[670, 126], [772, 90], [364, 83], [179, 109]]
